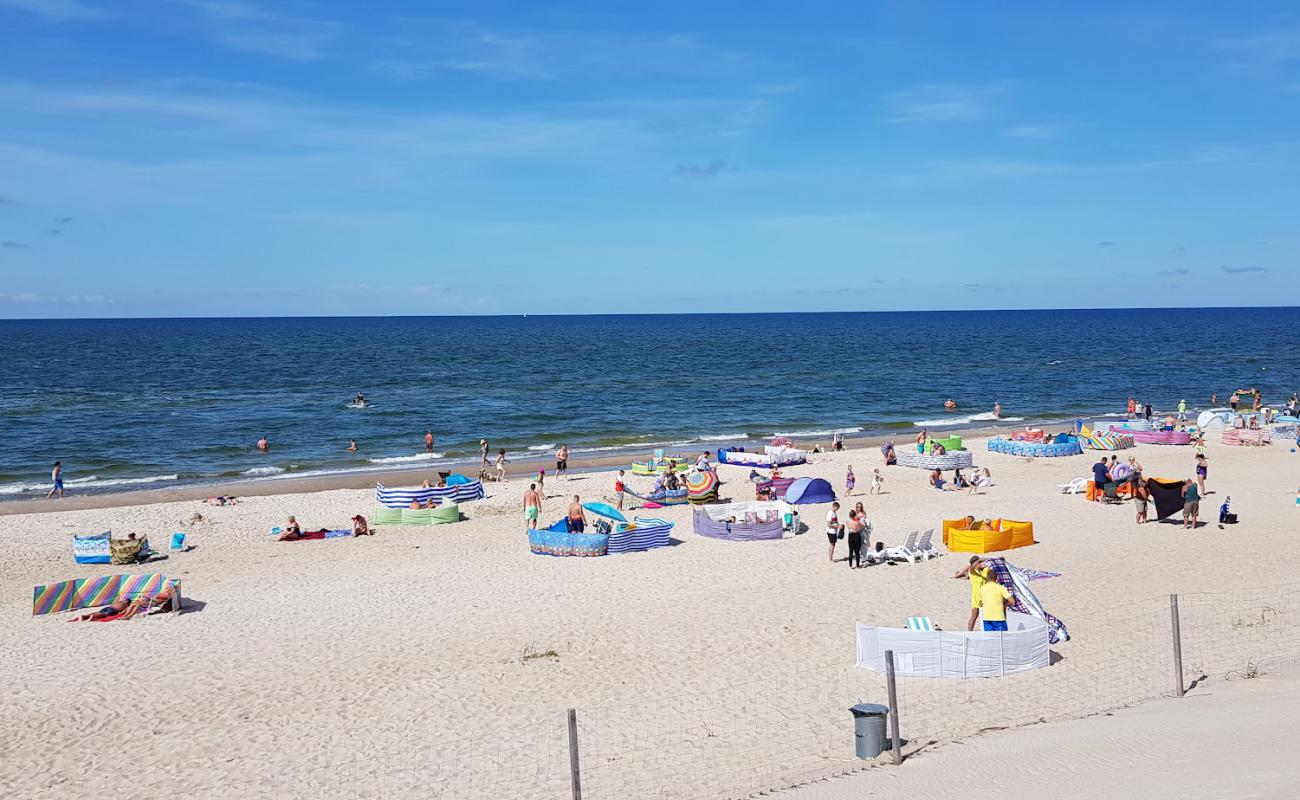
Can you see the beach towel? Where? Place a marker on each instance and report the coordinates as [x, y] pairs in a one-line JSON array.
[[324, 534], [127, 551], [1167, 496], [1016, 582]]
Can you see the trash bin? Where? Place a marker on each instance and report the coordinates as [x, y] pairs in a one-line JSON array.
[[869, 728]]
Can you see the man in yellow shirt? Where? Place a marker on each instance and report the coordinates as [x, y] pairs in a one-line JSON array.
[[978, 575], [994, 599]]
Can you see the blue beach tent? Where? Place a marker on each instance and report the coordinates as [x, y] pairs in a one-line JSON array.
[[809, 490]]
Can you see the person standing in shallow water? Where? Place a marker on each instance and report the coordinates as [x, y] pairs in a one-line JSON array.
[[428, 442]]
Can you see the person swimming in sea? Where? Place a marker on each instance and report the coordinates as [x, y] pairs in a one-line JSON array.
[[950, 404]]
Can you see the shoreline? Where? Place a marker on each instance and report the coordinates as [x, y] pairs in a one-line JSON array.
[[366, 479]]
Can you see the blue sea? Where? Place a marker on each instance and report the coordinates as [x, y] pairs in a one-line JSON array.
[[147, 403]]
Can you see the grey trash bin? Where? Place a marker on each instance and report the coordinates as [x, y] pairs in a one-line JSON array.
[[869, 728]]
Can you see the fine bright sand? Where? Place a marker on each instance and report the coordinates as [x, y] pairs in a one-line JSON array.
[[299, 655]]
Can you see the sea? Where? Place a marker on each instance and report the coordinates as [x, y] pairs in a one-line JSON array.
[[151, 403]]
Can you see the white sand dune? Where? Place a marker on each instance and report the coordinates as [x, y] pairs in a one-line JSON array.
[[407, 648]]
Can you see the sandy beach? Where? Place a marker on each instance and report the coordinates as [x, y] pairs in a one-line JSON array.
[[448, 655]]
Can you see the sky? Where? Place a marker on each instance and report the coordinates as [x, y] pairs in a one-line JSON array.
[[257, 158]]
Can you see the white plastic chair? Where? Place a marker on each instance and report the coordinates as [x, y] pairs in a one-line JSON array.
[[925, 547], [904, 552], [1076, 486]]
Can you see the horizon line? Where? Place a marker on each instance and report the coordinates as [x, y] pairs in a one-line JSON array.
[[649, 313]]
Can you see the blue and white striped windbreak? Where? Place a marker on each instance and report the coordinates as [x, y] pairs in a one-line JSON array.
[[401, 498]]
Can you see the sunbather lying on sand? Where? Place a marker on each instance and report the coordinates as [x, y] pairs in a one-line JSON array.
[[937, 481], [163, 601], [113, 609]]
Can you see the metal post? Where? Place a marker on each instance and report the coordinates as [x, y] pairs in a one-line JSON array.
[[893, 707], [1178, 646], [575, 779]]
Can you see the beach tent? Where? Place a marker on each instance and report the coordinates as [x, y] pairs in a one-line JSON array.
[[456, 479], [809, 490], [1167, 496]]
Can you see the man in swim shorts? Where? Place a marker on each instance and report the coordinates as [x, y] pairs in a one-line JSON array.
[[428, 442], [577, 517], [532, 505], [994, 599], [56, 477], [562, 460]]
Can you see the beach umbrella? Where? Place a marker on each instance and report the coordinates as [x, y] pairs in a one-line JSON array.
[[605, 510]]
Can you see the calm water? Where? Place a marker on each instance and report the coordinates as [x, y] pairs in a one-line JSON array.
[[130, 403]]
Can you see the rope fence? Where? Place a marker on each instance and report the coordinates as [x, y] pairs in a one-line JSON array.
[[760, 734]]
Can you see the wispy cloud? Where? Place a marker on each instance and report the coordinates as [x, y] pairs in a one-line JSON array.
[[254, 28], [1279, 44], [701, 172], [30, 298], [1106, 244], [12, 244], [1242, 270], [941, 103], [994, 169], [7, 201], [64, 220], [982, 287], [1175, 271], [544, 55], [56, 10], [1037, 130]]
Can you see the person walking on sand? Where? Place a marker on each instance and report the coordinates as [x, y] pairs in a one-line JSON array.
[[619, 488], [1191, 504], [837, 441], [1182, 410], [1132, 406], [263, 444], [501, 464], [428, 442], [994, 599], [849, 480], [877, 482], [577, 516], [56, 479], [833, 528], [1140, 498], [562, 461], [978, 574], [532, 506]]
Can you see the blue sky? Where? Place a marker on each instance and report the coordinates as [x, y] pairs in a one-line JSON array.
[[246, 157]]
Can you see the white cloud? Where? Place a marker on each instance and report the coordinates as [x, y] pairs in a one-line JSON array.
[[1036, 130], [941, 103], [56, 10], [1278, 45], [251, 27], [29, 298]]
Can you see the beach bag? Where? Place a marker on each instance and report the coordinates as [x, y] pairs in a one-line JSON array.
[[1229, 519]]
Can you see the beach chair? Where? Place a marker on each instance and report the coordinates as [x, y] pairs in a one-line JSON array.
[[920, 624], [1110, 495], [1076, 486], [904, 552], [925, 547]]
